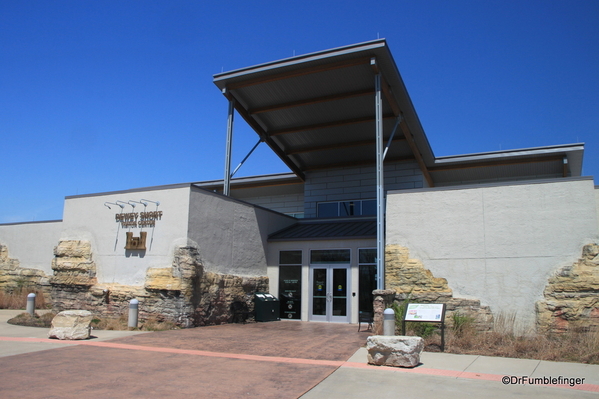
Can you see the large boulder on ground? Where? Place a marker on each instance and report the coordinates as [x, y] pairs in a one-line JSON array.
[[394, 350], [71, 324]]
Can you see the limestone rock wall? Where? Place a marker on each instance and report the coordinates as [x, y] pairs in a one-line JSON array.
[[571, 297], [182, 293], [410, 279], [405, 275], [17, 279], [382, 300], [220, 291]]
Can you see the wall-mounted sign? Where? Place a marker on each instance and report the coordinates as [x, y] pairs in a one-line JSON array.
[[138, 219], [136, 243]]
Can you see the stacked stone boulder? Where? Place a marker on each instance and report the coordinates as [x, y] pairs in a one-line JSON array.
[[74, 274]]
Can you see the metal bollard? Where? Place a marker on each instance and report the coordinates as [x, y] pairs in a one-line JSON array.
[[388, 322], [31, 303], [133, 312]]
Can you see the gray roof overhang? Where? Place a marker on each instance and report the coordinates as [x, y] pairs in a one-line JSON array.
[[317, 111], [529, 163], [278, 179], [258, 186]]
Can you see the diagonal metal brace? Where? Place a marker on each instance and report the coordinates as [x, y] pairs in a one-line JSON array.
[[397, 122], [246, 157]]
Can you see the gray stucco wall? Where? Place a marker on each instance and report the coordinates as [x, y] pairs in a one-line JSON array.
[[496, 243], [32, 243], [353, 183], [232, 235]]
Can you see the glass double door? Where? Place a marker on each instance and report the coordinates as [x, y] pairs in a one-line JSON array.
[[329, 293]]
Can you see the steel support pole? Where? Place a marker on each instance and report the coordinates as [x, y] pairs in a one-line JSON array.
[[227, 183], [380, 189]]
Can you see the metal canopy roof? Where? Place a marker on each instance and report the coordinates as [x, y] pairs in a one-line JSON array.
[[317, 111]]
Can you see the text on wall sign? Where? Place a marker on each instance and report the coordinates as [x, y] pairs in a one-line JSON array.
[[138, 219]]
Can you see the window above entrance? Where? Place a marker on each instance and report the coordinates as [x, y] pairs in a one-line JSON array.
[[290, 258], [346, 208], [329, 256]]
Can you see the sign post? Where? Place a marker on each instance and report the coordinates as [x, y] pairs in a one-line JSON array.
[[426, 312]]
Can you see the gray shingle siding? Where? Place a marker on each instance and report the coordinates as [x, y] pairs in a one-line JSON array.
[[290, 203], [350, 183], [356, 183]]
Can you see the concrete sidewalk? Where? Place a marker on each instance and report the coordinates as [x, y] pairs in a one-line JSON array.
[[194, 361], [9, 348], [452, 376]]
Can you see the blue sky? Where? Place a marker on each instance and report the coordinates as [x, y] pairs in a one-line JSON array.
[[100, 96]]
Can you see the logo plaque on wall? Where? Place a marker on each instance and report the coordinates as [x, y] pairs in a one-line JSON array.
[[136, 243], [129, 220]]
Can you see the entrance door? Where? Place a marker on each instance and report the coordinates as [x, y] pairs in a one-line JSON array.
[[329, 293]]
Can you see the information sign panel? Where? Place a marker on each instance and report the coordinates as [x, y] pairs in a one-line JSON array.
[[432, 312]]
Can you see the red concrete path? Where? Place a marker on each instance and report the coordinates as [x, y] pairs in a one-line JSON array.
[[267, 360], [327, 341]]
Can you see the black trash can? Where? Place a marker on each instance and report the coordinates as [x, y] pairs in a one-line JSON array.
[[266, 307]]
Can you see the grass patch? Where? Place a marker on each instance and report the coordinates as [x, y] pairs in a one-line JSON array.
[[573, 346], [25, 319], [116, 324], [580, 347], [18, 299], [121, 324], [506, 339]]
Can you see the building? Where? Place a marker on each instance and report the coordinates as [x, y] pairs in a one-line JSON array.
[[486, 233]]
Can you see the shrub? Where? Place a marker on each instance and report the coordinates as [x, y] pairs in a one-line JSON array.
[[422, 329], [462, 324]]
